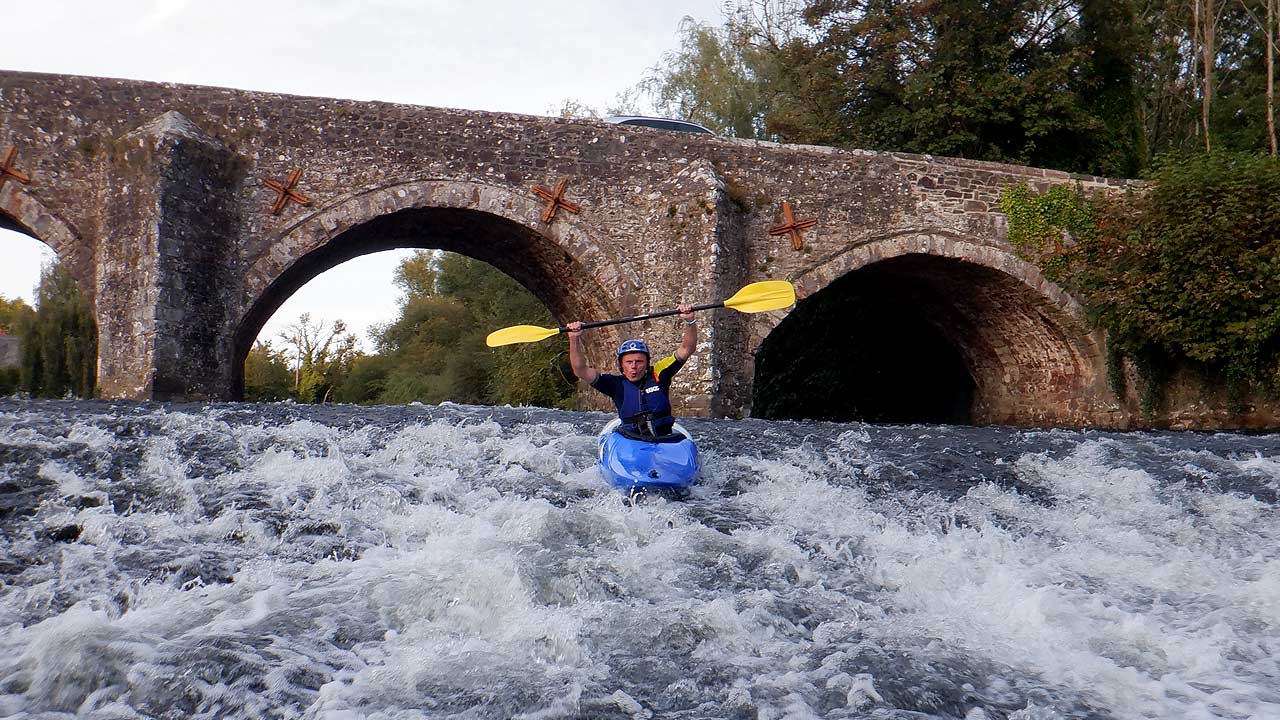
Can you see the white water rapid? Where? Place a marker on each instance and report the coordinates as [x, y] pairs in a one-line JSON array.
[[240, 561]]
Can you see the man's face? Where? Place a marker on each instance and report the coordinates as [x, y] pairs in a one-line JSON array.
[[633, 365]]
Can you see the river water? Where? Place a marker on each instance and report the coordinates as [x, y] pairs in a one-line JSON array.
[[284, 561]]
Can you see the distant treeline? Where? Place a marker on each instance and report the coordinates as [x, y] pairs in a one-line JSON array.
[[1091, 86], [431, 352]]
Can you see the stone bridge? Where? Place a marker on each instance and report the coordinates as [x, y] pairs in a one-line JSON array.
[[913, 305]]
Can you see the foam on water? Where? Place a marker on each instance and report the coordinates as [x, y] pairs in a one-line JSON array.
[[454, 562]]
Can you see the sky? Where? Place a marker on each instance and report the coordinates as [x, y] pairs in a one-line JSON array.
[[517, 56]]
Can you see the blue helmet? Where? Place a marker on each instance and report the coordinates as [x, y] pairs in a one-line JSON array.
[[631, 346]]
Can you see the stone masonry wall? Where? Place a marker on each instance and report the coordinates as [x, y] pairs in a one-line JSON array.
[[156, 194]]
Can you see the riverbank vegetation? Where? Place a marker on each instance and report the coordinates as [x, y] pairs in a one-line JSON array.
[[58, 338], [1181, 274], [431, 352], [13, 312]]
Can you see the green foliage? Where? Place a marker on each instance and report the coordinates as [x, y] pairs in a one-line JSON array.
[[321, 356], [366, 380], [435, 348], [719, 77], [434, 351], [1183, 273], [1043, 225], [267, 377], [1091, 86], [1188, 269], [59, 340], [416, 275], [11, 313], [533, 374], [1237, 119], [1106, 78]]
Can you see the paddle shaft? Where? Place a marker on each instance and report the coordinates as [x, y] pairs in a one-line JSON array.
[[637, 318]]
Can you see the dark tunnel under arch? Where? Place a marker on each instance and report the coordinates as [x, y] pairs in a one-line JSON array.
[[916, 339]]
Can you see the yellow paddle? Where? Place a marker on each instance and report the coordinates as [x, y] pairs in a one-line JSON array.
[[754, 298]]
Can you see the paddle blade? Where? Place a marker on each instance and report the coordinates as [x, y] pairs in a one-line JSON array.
[[519, 334], [762, 296]]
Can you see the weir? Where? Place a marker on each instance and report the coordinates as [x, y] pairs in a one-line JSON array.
[[188, 214]]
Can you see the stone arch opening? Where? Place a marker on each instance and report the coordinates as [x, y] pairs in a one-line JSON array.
[[25, 253], [533, 260], [23, 214], [26, 256], [48, 332], [920, 338]]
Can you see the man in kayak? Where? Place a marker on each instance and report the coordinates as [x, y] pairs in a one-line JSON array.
[[641, 392]]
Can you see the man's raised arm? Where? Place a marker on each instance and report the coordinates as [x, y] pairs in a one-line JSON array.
[[578, 361]]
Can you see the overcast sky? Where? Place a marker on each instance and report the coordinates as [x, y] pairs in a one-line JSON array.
[[524, 56]]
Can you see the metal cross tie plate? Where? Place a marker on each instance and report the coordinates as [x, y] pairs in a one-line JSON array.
[[791, 226], [285, 192], [555, 200], [8, 171]]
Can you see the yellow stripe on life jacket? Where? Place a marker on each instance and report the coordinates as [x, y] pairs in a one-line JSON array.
[[662, 365]]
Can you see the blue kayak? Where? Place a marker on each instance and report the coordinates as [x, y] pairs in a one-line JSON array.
[[664, 466]]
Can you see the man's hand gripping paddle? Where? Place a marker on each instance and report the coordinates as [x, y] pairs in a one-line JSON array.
[[754, 298]]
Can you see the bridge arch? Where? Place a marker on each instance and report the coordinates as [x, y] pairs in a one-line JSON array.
[[926, 326], [565, 265], [23, 213]]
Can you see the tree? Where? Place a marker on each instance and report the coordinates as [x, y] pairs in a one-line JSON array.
[[60, 340], [437, 353], [1185, 89], [1106, 80], [1248, 82], [985, 79], [1271, 74], [719, 77], [366, 381], [320, 356], [13, 313], [416, 275], [1205, 18], [1096, 86], [267, 376], [1188, 268], [434, 350]]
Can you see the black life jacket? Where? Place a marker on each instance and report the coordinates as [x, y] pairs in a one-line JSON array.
[[645, 407]]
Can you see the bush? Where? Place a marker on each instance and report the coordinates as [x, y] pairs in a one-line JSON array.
[[1184, 272], [1189, 268]]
